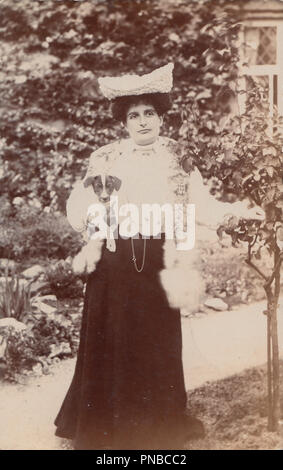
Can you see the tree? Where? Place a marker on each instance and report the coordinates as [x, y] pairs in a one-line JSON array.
[[245, 156], [257, 170]]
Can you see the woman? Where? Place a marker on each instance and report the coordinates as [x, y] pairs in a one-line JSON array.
[[128, 388]]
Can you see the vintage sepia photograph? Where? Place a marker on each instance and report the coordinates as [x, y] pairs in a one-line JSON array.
[[141, 226]]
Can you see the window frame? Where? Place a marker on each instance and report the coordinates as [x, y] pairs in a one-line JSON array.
[[269, 70]]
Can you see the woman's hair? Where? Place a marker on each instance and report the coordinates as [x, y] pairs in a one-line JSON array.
[[120, 106]]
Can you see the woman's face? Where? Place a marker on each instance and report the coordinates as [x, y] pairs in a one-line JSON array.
[[143, 123]]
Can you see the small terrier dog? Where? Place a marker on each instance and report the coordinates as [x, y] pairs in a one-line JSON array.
[[103, 186]]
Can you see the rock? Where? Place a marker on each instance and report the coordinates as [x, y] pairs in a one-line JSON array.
[[57, 350], [39, 286], [4, 262], [51, 298], [33, 271], [188, 313], [12, 322], [216, 304], [44, 308]]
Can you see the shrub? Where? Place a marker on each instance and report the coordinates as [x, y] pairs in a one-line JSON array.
[[53, 331], [63, 282], [36, 344], [50, 237], [20, 352], [227, 275], [15, 298], [33, 233]]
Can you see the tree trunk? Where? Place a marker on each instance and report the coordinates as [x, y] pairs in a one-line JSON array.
[[273, 350], [269, 373]]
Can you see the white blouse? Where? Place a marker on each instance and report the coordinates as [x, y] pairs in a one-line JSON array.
[[144, 172]]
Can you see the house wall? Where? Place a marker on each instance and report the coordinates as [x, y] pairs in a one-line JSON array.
[[263, 9]]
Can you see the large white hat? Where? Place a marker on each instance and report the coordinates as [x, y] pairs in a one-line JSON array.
[[158, 81]]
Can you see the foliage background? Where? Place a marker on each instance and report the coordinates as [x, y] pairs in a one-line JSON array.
[[52, 114]]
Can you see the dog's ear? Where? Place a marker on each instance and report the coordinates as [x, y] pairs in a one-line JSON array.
[[117, 183], [91, 180], [88, 181]]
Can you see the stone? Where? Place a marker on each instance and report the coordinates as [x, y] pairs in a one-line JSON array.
[[51, 298], [57, 350], [39, 286], [216, 304], [12, 322], [33, 271], [44, 308]]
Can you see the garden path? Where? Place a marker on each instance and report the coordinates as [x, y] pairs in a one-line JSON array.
[[220, 344]]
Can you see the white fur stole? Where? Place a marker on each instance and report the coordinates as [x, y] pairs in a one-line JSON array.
[[86, 260]]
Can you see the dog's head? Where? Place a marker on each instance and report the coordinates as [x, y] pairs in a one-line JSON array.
[[103, 186]]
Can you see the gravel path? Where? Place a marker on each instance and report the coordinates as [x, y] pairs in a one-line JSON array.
[[215, 345], [220, 344], [27, 412]]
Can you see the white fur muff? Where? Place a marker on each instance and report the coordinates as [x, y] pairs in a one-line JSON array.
[[181, 278]]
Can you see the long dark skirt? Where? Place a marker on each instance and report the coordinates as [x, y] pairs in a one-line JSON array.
[[128, 388]]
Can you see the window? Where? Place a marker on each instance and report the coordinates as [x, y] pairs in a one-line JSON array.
[[260, 45], [262, 58]]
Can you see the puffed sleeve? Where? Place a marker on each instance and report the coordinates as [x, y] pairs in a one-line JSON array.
[[82, 195], [208, 210], [101, 160], [78, 203]]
